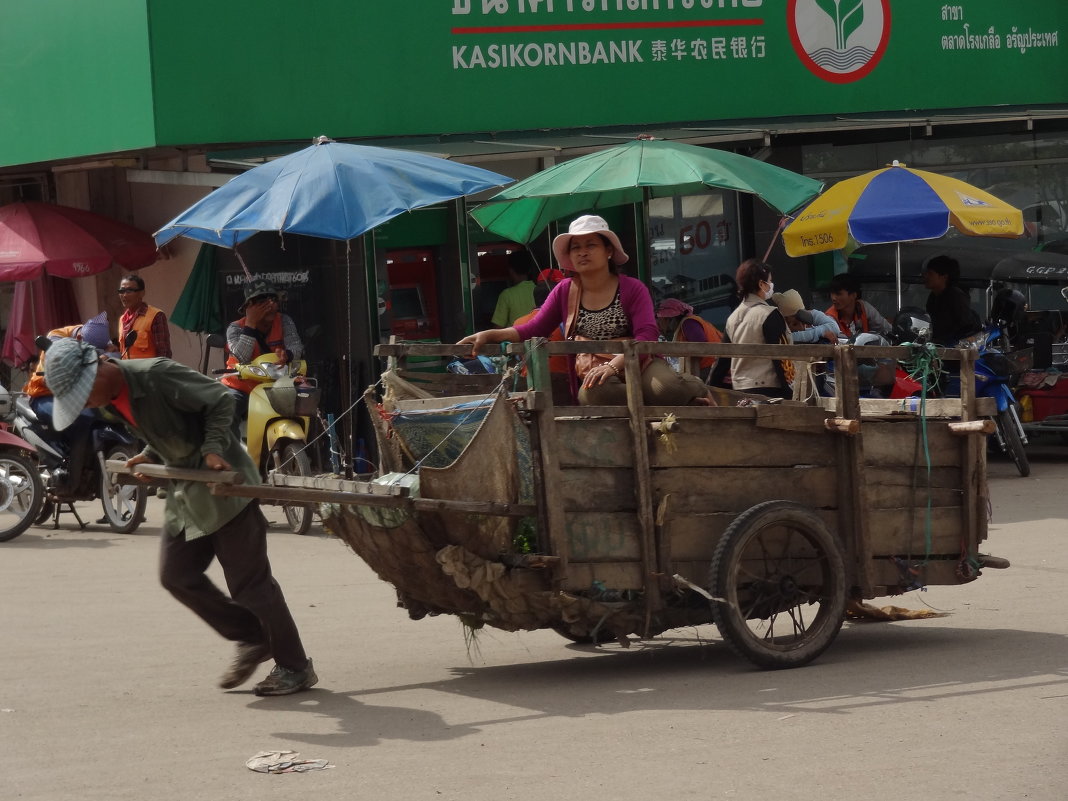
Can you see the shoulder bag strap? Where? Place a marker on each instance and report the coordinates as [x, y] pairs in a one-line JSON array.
[[574, 298]]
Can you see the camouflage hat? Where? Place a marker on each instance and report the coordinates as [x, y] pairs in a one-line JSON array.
[[258, 288]]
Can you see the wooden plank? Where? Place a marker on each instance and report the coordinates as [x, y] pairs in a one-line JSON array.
[[891, 488], [903, 531], [642, 482], [306, 495], [597, 489], [727, 443], [935, 407], [603, 536], [594, 443], [546, 441], [934, 573], [852, 519], [152, 470], [697, 490], [899, 443], [785, 417], [970, 513], [614, 576], [694, 537]]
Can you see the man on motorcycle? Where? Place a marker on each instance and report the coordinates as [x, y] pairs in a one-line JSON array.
[[262, 329], [94, 332], [185, 418], [952, 316]]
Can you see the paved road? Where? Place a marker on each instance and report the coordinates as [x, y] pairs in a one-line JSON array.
[[109, 690]]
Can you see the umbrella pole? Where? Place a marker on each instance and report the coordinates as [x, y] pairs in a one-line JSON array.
[[33, 312], [241, 261], [897, 271]]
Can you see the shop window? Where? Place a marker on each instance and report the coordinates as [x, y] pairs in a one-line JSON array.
[[694, 251]]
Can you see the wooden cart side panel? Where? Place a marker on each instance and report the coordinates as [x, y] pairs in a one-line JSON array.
[[603, 536], [901, 532], [694, 537], [900, 444], [893, 487], [597, 489], [697, 490], [614, 575]]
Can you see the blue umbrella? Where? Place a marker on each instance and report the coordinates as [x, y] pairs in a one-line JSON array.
[[330, 190]]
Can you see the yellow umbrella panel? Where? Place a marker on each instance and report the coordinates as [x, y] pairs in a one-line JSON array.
[[897, 204]]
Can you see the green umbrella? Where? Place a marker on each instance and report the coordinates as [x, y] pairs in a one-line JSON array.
[[633, 173], [197, 309]]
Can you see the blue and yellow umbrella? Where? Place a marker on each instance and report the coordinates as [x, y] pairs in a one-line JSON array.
[[897, 204]]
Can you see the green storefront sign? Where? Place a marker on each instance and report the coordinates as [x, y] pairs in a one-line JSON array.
[[96, 77]]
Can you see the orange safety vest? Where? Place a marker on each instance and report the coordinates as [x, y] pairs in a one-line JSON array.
[[144, 347], [712, 334], [36, 386], [862, 318], [275, 341]]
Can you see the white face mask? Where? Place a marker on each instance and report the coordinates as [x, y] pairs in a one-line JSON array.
[[770, 292]]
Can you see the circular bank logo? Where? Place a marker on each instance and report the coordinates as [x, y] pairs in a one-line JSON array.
[[839, 40]]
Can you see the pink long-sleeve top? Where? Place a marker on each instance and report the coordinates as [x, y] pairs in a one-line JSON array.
[[633, 296]]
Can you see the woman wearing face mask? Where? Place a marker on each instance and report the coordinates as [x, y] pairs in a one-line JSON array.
[[755, 322]]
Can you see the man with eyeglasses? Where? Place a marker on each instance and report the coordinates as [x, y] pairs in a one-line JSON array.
[[153, 337]]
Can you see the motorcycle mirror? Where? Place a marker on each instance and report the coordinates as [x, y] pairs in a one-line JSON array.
[[42, 342], [216, 341], [129, 339]]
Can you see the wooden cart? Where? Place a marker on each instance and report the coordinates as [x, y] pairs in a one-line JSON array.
[[601, 522]]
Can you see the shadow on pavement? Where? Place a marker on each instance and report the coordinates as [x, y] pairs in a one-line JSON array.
[[691, 673]]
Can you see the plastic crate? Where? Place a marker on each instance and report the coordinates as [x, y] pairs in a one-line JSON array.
[[1046, 401]]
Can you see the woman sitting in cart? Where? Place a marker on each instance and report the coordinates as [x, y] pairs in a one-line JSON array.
[[598, 303]]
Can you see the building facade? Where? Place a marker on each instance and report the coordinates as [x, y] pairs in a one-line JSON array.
[[138, 108]]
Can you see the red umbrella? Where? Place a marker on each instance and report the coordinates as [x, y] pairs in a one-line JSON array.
[[37, 307], [43, 237]]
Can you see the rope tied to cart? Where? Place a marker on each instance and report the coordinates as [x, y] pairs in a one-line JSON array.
[[924, 367]]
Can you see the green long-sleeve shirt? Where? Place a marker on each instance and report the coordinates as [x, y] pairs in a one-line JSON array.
[[183, 416]]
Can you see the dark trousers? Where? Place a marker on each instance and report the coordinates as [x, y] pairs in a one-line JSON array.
[[256, 610]]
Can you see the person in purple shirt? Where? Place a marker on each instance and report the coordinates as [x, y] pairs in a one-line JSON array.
[[610, 306]]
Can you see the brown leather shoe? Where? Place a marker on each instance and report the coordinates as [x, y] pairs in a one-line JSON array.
[[249, 656]]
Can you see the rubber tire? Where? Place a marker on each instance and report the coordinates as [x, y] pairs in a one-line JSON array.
[[1014, 446], [48, 508], [726, 584], [25, 505], [117, 519], [295, 462]]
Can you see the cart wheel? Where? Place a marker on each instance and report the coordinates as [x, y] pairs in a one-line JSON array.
[[780, 578]]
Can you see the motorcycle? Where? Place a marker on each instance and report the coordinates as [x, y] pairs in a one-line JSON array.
[[995, 377], [21, 490], [74, 470], [280, 408]]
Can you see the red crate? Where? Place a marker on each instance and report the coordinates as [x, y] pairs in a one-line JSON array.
[[1048, 400]]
